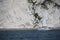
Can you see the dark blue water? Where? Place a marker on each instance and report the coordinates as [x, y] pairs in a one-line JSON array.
[[29, 35]]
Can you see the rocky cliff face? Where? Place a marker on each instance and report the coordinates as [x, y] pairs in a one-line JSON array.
[[17, 14]]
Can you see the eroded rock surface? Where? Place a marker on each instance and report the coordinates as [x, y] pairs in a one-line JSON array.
[[16, 14]]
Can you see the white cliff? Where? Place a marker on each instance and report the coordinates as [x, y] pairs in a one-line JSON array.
[[16, 14]]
